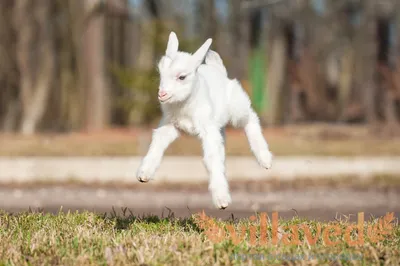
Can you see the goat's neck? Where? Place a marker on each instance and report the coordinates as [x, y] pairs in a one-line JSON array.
[[193, 96]]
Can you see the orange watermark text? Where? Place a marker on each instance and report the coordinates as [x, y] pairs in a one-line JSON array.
[[263, 230]]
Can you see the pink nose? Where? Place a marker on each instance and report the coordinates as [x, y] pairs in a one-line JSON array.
[[162, 94]]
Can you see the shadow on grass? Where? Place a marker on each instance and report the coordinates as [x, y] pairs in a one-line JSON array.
[[126, 218]]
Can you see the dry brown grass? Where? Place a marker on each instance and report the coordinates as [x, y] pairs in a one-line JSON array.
[[293, 140], [90, 239]]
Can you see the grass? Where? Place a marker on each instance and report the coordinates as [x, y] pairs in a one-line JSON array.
[[293, 140], [34, 238]]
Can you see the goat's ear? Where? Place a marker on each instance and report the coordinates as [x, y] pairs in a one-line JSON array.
[[172, 46], [199, 55]]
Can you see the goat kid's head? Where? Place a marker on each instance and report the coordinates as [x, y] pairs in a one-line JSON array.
[[178, 71]]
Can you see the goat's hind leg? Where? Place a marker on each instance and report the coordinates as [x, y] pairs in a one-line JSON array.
[[242, 115], [251, 124], [257, 142], [214, 160]]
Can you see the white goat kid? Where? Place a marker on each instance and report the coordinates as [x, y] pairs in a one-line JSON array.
[[201, 100]]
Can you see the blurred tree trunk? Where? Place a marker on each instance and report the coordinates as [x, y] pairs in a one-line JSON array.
[[9, 102], [132, 43], [368, 50], [120, 48], [308, 67], [69, 36], [97, 94], [397, 53], [240, 34], [348, 62], [296, 89], [131, 32], [345, 81], [390, 86], [115, 36], [277, 65], [150, 12], [388, 68], [77, 106], [34, 89], [209, 19]]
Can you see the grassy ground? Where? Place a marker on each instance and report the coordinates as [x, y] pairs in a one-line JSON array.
[[90, 239], [293, 140]]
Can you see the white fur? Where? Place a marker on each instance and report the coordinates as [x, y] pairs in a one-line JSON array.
[[202, 104]]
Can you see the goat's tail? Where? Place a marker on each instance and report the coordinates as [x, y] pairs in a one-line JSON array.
[[213, 59]]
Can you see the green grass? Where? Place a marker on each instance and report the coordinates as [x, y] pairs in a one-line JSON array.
[[34, 238]]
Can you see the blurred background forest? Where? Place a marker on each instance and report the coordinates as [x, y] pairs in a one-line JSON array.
[[70, 65]]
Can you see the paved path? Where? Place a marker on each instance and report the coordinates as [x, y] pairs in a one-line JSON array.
[[189, 169]]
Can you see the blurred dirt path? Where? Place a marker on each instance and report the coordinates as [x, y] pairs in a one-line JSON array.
[[314, 203]]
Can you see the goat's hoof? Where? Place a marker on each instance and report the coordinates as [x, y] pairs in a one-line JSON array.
[[265, 159], [221, 199], [143, 179]]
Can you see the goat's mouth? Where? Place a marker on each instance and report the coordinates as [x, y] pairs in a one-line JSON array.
[[163, 100]]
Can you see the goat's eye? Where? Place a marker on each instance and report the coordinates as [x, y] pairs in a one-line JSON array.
[[182, 77]]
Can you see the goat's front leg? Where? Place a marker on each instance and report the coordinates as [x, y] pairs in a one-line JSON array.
[[162, 137], [214, 160]]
